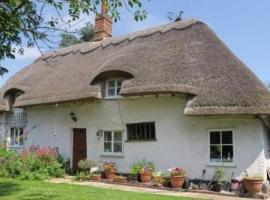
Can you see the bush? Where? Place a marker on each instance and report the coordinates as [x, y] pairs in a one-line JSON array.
[[82, 176], [33, 164]]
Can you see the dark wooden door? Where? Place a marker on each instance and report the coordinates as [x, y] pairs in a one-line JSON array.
[[79, 146]]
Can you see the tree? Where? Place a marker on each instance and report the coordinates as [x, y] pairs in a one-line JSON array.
[[86, 34], [24, 22], [68, 39]]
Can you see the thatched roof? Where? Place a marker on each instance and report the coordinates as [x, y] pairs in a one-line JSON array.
[[182, 57]]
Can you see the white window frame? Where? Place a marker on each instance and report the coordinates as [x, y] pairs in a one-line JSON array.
[[112, 153], [17, 131], [115, 88], [229, 164]]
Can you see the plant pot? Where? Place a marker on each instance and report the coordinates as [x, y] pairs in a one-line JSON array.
[[110, 174], [177, 181], [146, 177], [253, 186], [95, 177]]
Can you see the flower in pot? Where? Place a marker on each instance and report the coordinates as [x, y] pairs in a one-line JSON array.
[[95, 176], [158, 179], [177, 177], [146, 174], [120, 179], [109, 170], [253, 184]]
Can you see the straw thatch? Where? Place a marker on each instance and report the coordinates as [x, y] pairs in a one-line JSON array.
[[181, 57]]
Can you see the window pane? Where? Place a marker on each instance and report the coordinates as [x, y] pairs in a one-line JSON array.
[[119, 83], [21, 136], [111, 84], [118, 91], [215, 137], [117, 147], [111, 92], [12, 136], [227, 152], [107, 136], [227, 137], [215, 153], [118, 136], [107, 147]]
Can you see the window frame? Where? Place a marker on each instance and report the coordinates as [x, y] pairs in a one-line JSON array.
[[141, 140], [107, 96], [112, 153], [17, 145], [224, 164]]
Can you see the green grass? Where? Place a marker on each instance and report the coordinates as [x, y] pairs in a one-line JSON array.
[[11, 189]]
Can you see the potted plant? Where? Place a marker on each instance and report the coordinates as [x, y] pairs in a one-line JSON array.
[[95, 176], [218, 179], [86, 165], [146, 171], [134, 171], [120, 179], [158, 179], [109, 170], [177, 177], [253, 184]]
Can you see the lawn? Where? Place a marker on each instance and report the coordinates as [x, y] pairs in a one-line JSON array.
[[11, 189]]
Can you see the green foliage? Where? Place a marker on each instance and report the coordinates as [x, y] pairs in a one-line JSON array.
[[24, 20], [68, 39], [138, 166], [219, 175], [86, 34], [82, 176], [86, 164], [32, 164]]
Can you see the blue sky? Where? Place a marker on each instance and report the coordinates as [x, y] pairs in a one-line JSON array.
[[242, 24]]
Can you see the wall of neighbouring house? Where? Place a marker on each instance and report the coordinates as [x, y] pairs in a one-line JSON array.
[[182, 141]]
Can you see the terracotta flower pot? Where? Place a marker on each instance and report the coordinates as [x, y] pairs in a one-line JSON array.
[[110, 174], [146, 177], [177, 181], [253, 186], [95, 177]]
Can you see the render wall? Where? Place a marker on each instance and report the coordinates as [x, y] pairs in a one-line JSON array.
[[182, 141]]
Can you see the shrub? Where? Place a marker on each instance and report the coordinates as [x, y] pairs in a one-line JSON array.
[[32, 164], [82, 176], [109, 167], [86, 164]]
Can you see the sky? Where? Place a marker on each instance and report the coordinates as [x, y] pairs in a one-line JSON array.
[[244, 25]]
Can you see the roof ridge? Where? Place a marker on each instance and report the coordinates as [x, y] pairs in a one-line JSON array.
[[86, 47]]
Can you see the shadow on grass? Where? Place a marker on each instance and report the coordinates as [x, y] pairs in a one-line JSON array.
[[6, 188], [38, 196]]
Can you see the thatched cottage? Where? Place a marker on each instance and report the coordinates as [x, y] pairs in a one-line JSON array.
[[174, 95]]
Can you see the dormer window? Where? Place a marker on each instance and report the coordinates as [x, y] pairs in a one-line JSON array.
[[113, 87]]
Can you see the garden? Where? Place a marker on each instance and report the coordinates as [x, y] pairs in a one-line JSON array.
[[40, 163]]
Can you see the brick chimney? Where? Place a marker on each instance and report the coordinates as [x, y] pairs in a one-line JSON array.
[[103, 23]]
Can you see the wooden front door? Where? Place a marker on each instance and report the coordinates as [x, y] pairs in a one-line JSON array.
[[79, 146]]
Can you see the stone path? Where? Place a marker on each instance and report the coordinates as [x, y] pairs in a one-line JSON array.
[[147, 190]]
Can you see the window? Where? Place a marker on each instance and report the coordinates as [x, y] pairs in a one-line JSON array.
[[141, 131], [16, 137], [113, 88], [221, 146], [113, 142]]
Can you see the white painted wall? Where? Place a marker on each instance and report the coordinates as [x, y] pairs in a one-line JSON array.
[[2, 128], [182, 141]]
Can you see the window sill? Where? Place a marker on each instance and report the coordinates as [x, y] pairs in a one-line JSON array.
[[130, 141], [113, 97], [112, 155], [221, 165]]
